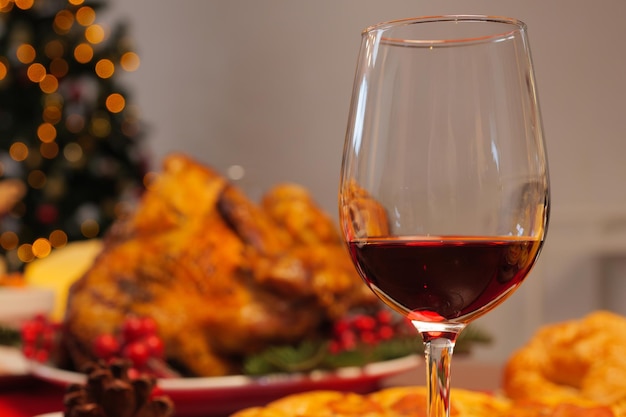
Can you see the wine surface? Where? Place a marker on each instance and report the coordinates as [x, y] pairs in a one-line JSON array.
[[444, 278]]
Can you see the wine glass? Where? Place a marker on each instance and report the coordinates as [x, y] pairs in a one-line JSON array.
[[444, 190]]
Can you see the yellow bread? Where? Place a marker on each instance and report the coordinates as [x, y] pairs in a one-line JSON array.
[[60, 269]]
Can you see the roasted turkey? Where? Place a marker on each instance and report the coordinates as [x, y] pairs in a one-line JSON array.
[[222, 276]]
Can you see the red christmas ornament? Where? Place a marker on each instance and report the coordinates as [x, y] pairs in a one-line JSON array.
[[47, 214]]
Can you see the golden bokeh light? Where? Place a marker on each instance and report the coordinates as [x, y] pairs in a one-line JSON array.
[[85, 16], [100, 126], [90, 228], [55, 188], [94, 34], [73, 152], [49, 150], [9, 240], [41, 247], [115, 103], [105, 68], [24, 4], [75, 122], [3, 70], [54, 99], [59, 67], [63, 22], [6, 4], [36, 72], [49, 84], [54, 49], [18, 151], [46, 132], [83, 53], [130, 61], [75, 2], [25, 53], [58, 238], [52, 114], [36, 179], [25, 253]]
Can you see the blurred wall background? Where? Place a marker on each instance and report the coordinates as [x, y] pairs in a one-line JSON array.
[[266, 85]]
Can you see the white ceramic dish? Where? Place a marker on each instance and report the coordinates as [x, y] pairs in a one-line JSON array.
[[18, 304], [14, 368], [215, 396]]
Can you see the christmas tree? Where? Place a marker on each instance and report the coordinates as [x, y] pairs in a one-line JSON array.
[[70, 140]]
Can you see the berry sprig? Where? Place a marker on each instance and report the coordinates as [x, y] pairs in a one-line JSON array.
[[358, 330], [39, 338], [355, 340], [138, 341]]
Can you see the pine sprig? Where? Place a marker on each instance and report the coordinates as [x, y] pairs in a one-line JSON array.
[[315, 355], [304, 357], [383, 351], [9, 337]]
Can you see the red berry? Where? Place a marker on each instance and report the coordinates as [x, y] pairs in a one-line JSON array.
[[138, 353], [348, 341], [156, 392], [369, 337], [334, 347], [106, 346], [29, 337], [148, 326], [340, 327], [133, 373], [31, 331], [364, 323], [47, 338], [132, 329], [41, 356], [155, 345], [41, 318], [384, 317], [29, 351], [385, 332]]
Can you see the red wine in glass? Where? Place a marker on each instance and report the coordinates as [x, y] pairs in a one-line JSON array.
[[452, 278]]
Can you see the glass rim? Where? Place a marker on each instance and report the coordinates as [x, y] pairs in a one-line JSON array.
[[516, 24]]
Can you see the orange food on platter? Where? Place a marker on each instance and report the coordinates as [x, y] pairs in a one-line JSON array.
[[577, 361], [411, 402]]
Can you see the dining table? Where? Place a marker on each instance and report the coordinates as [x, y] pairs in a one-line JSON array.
[[29, 396]]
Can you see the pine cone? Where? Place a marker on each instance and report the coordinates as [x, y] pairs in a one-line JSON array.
[[109, 392]]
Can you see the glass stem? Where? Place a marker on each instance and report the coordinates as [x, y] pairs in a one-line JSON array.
[[438, 348]]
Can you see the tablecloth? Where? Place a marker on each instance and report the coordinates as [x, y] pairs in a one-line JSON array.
[[28, 397]]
